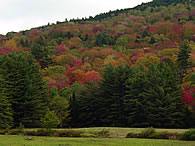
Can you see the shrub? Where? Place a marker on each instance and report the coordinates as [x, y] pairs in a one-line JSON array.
[[132, 135], [152, 134], [69, 133], [103, 133], [164, 135], [15, 132], [2, 132], [43, 132], [147, 132], [188, 135], [60, 133], [50, 120]]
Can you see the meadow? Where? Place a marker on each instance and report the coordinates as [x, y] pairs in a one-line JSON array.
[[89, 138], [13, 140]]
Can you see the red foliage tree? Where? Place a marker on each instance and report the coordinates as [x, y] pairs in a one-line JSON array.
[[188, 96], [61, 48], [92, 76]]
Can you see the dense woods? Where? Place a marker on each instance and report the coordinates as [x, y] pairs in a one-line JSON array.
[[125, 68]]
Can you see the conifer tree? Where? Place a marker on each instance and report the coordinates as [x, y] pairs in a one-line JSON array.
[[183, 58], [133, 102], [162, 95], [112, 92], [26, 89], [6, 112]]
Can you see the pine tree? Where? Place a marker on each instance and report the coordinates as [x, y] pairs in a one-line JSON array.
[[116, 112], [162, 95], [183, 58], [112, 92], [26, 88], [88, 106], [6, 112], [133, 102]]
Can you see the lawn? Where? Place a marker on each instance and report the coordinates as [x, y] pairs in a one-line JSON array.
[[13, 140]]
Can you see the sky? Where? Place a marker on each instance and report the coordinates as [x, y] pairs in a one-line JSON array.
[[18, 15]]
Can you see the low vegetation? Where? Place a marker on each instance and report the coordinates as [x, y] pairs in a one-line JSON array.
[[56, 141]]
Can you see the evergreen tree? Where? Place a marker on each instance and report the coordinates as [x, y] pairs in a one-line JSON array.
[[183, 58], [133, 102], [112, 92], [162, 95], [117, 114], [6, 112], [26, 88], [88, 106]]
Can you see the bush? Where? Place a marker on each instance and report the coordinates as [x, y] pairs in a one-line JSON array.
[[188, 135], [15, 132], [69, 133], [2, 132], [60, 133], [147, 132], [152, 134], [50, 120], [132, 135], [103, 133], [164, 135]]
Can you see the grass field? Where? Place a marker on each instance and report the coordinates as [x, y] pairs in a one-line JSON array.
[[117, 131], [13, 140]]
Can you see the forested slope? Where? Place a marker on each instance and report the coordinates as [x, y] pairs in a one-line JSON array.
[[129, 68]]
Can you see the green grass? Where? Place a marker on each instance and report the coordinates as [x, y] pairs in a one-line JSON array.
[[117, 131], [12, 140]]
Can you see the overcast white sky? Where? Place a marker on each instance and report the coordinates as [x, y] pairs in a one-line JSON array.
[[16, 15]]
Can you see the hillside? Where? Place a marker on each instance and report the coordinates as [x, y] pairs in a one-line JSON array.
[[122, 59]]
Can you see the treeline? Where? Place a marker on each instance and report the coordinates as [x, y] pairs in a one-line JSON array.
[[139, 96], [142, 7], [133, 97]]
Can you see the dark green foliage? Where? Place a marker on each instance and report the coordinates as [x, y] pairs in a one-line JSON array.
[[6, 112], [154, 97], [84, 107], [188, 135], [112, 92], [133, 101], [104, 39], [42, 54], [183, 58], [25, 88], [163, 103], [69, 133]]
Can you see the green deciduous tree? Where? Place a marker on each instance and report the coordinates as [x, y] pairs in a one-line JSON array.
[[50, 120]]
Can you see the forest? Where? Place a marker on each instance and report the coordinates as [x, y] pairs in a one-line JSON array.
[[126, 68]]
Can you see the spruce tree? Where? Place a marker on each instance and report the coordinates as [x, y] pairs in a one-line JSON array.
[[183, 58], [162, 95], [26, 88], [6, 112], [117, 115], [112, 92], [133, 102]]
